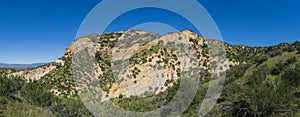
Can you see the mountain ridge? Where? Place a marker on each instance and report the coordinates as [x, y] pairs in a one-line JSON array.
[[21, 66]]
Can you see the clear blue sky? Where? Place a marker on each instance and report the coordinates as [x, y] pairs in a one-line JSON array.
[[40, 30]]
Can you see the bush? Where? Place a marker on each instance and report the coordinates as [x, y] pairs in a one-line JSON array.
[[10, 85], [276, 71], [289, 48], [292, 77], [36, 93], [261, 59]]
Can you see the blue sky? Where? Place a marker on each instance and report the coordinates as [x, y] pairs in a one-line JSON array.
[[40, 30]]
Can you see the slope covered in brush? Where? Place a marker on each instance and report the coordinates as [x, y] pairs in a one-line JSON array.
[[260, 81]]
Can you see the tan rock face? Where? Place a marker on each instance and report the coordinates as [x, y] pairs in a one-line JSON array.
[[149, 76], [154, 72], [34, 74]]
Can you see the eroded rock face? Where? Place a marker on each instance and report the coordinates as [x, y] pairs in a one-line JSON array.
[[154, 68], [34, 74], [142, 63]]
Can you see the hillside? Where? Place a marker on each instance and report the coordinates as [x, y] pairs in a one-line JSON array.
[[141, 71]]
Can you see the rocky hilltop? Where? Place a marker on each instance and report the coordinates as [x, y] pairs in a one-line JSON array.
[[141, 71], [153, 67]]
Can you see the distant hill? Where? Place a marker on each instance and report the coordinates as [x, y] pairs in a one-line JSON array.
[[20, 66]]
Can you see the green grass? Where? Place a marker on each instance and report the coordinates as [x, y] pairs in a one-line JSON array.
[[145, 53], [22, 109]]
